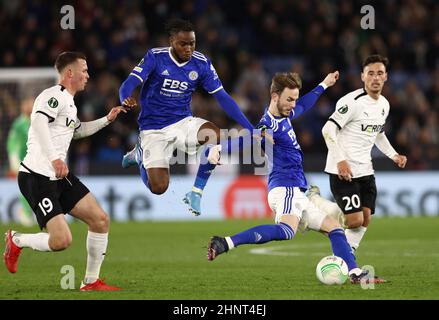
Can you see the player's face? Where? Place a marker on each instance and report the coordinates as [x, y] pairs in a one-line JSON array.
[[80, 74], [183, 45], [374, 76], [287, 101]]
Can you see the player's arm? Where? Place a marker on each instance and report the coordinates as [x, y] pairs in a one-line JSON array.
[[232, 109], [308, 100], [212, 84], [383, 144], [137, 77], [345, 112], [85, 129]]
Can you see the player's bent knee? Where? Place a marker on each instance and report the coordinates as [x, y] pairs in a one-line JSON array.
[[100, 224], [354, 220], [159, 188], [60, 243]]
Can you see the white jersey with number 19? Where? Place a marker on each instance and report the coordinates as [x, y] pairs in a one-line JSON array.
[[360, 118]]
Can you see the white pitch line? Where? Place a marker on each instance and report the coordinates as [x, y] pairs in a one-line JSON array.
[[294, 249]]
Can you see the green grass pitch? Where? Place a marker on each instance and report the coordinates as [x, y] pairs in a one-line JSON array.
[[167, 261]]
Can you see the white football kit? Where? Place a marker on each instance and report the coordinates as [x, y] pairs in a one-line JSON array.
[[360, 119]]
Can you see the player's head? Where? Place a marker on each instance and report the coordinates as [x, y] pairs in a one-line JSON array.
[[72, 67], [284, 92], [374, 73], [181, 38]]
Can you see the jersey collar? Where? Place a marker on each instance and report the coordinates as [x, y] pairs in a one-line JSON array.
[[175, 61]]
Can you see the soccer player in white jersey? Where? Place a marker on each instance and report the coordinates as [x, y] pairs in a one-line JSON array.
[[350, 133], [46, 182]]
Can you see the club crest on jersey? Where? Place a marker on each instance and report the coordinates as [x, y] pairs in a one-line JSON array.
[[343, 109], [53, 103], [193, 75]]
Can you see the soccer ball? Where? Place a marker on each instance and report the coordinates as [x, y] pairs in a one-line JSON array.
[[332, 270]]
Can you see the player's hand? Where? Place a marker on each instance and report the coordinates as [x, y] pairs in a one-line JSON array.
[[400, 160], [112, 115], [331, 78], [129, 103], [264, 134], [214, 155], [61, 169], [344, 171]]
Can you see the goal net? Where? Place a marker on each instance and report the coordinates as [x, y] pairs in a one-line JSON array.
[[16, 85]]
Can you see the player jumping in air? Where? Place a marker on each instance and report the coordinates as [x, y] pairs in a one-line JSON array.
[[168, 77], [46, 183], [287, 182]]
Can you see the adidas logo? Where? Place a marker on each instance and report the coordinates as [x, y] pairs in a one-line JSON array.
[[165, 73], [258, 237]]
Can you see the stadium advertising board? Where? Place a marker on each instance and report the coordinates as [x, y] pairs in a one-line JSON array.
[[230, 197]]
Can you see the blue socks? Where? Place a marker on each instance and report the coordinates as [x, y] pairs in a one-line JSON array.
[[144, 175], [204, 170], [263, 234], [341, 248]]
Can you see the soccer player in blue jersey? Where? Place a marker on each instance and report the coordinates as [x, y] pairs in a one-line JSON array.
[[287, 183], [168, 77]]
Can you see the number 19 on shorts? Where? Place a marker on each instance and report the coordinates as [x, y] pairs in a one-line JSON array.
[[46, 206]]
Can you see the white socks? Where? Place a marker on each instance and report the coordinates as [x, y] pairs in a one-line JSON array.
[[354, 236], [36, 241], [96, 248]]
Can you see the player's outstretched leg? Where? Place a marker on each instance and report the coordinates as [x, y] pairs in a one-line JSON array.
[[256, 235]]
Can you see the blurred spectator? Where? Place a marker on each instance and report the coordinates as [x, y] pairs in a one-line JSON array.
[[247, 41]]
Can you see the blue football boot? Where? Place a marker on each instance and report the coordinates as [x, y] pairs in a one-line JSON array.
[[193, 200], [132, 157]]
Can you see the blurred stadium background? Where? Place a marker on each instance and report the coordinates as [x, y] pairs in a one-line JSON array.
[[248, 41]]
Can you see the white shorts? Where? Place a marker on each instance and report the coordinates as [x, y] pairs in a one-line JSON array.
[[292, 201], [159, 145]]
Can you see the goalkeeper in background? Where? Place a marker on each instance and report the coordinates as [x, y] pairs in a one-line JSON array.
[[16, 147]]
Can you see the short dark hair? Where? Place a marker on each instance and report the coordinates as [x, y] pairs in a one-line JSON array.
[[66, 58], [174, 26], [374, 58], [282, 80]]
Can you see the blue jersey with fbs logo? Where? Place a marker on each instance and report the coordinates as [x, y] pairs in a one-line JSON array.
[[167, 86], [286, 160]]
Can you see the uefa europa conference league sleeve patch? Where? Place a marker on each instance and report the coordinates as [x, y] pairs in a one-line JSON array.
[[343, 109], [53, 103]]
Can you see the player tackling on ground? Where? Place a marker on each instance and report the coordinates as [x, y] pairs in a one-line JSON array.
[[287, 182], [168, 77], [350, 133], [45, 181]]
